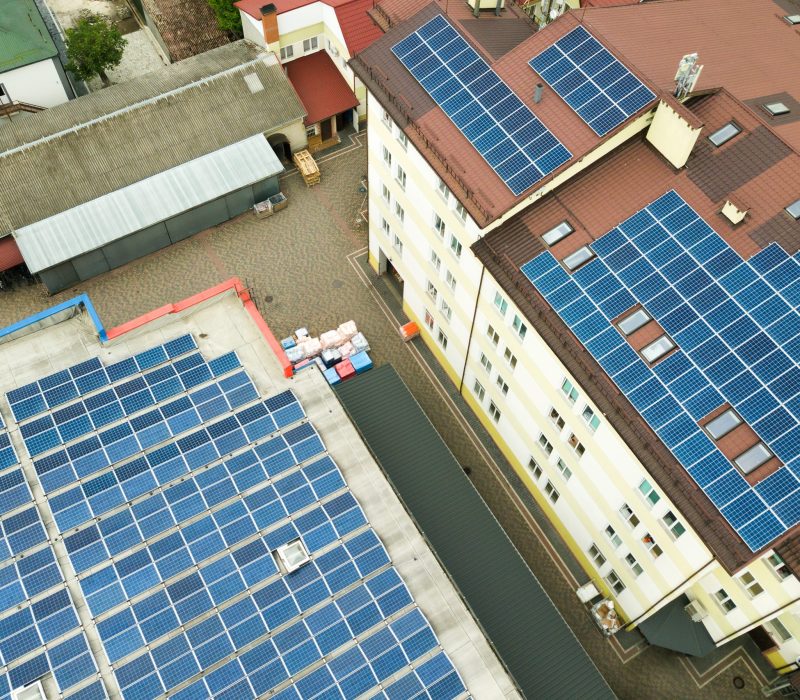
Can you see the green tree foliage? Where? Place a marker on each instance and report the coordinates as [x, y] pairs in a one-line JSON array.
[[228, 17], [93, 46]]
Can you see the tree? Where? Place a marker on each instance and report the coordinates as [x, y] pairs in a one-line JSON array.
[[93, 47], [228, 17]]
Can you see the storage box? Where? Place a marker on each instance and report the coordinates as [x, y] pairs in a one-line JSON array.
[[310, 346], [287, 343], [301, 333], [348, 329], [359, 342], [409, 330], [332, 376], [331, 356], [303, 364], [346, 349], [295, 355], [361, 362], [345, 369], [331, 339]]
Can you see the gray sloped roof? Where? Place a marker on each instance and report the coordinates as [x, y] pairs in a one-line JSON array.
[[539, 649], [78, 151]]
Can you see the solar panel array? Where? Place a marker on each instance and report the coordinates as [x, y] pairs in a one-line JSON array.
[[737, 328], [511, 139], [171, 507], [598, 87]]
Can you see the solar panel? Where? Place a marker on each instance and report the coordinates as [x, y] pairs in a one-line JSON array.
[[737, 330], [597, 86], [509, 137]]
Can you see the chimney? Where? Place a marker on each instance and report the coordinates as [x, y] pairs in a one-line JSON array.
[[269, 24], [537, 95]]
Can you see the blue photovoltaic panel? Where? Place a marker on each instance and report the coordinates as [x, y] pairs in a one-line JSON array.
[[171, 512], [737, 330], [511, 139], [597, 86]]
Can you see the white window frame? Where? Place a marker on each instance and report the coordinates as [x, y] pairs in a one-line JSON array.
[[461, 212], [450, 280], [387, 156], [402, 139], [400, 176], [431, 290], [442, 338], [486, 363], [536, 470], [673, 525], [566, 472], [442, 189], [596, 556], [455, 246], [510, 359], [650, 544], [724, 601], [650, 495], [494, 412], [551, 492], [614, 582], [778, 566], [429, 319], [569, 390], [502, 385], [397, 244], [287, 52], [447, 312], [778, 631], [500, 303], [634, 565], [386, 227], [310, 44], [613, 537], [519, 327], [400, 213], [628, 516], [545, 445], [591, 419], [492, 335], [576, 445], [750, 584], [385, 117], [478, 390], [386, 194], [439, 225], [436, 261]]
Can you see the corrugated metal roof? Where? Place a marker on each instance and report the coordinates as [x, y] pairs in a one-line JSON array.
[[62, 157], [530, 636], [23, 35], [112, 216]]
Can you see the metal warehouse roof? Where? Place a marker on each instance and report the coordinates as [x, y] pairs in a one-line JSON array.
[[526, 629], [62, 157], [112, 216], [23, 36]]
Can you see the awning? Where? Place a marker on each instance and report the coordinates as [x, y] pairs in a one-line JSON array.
[[9, 253], [672, 628], [320, 86]]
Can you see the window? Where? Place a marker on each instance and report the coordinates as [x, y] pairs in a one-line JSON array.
[[438, 224], [399, 212], [494, 413], [287, 52], [752, 459], [478, 390], [519, 327], [441, 188], [674, 526], [492, 334], [402, 139], [725, 134], [724, 601], [750, 585], [591, 418], [776, 109], [385, 118], [442, 340], [398, 244], [576, 259], [657, 349], [400, 176], [502, 386], [436, 261], [633, 322], [555, 416], [596, 556], [651, 546], [545, 444], [455, 246], [447, 312], [723, 424], [554, 235], [486, 363], [387, 157], [576, 445], [428, 319], [511, 361], [794, 209], [311, 44], [778, 566], [615, 583], [613, 537], [500, 303], [461, 211], [792, 19], [636, 567], [629, 516], [433, 293], [778, 631], [650, 494], [569, 391], [551, 492], [566, 472], [385, 226], [536, 470], [387, 196], [311, 131], [450, 279]]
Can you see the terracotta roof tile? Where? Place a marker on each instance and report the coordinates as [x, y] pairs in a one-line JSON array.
[[188, 27], [320, 86], [357, 27]]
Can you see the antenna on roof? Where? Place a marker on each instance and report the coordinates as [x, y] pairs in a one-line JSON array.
[[687, 75], [548, 10]]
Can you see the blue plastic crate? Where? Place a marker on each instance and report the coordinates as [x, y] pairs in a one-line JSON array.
[[287, 343], [361, 362], [332, 376]]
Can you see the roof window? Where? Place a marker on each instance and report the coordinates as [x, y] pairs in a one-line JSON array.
[[794, 209], [657, 349], [776, 109], [792, 19], [753, 458], [723, 424], [554, 235], [725, 134], [576, 259], [633, 322]]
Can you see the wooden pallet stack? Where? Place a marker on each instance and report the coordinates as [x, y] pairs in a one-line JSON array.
[[308, 167]]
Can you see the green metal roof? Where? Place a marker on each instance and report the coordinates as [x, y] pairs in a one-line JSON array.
[[23, 37], [527, 631], [672, 628]]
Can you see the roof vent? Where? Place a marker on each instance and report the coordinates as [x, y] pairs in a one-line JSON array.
[[724, 134], [293, 555], [776, 109], [734, 211], [537, 95], [253, 82], [792, 19], [34, 691]]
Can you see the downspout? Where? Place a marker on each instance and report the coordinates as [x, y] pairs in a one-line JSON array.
[[471, 330]]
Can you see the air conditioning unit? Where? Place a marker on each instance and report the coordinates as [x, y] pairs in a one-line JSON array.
[[696, 611]]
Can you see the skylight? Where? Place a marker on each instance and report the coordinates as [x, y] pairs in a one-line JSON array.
[[792, 19], [794, 209], [657, 349], [633, 322], [726, 133], [579, 257], [776, 108], [554, 235], [723, 424], [752, 459]]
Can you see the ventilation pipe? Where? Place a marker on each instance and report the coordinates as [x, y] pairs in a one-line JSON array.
[[537, 95]]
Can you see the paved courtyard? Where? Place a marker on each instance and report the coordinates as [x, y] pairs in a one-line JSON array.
[[306, 267]]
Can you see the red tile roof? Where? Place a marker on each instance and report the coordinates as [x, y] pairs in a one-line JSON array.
[[253, 7], [188, 27], [357, 27], [320, 86]]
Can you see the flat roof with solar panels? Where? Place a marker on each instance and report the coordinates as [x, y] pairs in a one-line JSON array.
[[181, 522]]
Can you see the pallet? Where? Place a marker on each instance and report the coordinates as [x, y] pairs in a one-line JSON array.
[[308, 167]]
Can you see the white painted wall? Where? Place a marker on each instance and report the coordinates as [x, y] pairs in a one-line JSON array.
[[253, 30], [38, 84]]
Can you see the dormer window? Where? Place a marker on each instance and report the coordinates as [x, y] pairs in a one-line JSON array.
[[725, 134], [794, 209], [554, 235], [576, 259], [776, 109]]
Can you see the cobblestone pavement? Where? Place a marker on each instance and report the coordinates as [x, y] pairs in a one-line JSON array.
[[297, 264]]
